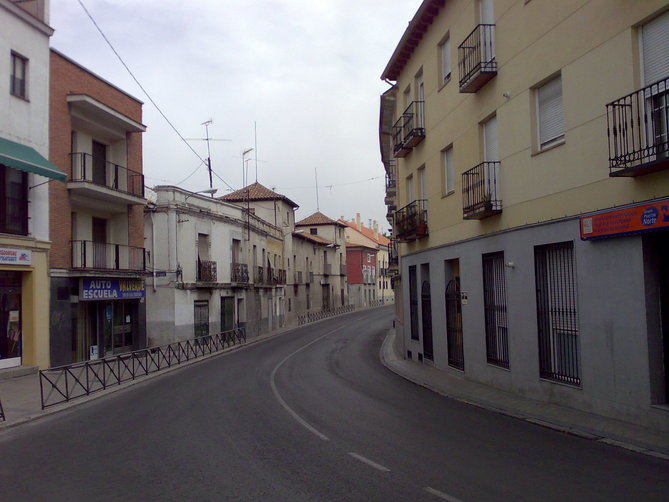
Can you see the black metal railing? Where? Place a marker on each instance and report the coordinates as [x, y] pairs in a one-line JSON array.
[[638, 128], [476, 58], [323, 314], [480, 191], [413, 124], [97, 170], [399, 150], [393, 253], [239, 272], [454, 336], [411, 221], [90, 255], [494, 308], [281, 276], [391, 177], [64, 383], [206, 271], [557, 312], [310, 277], [259, 276]]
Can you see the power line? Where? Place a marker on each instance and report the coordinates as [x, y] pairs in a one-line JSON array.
[[143, 89]]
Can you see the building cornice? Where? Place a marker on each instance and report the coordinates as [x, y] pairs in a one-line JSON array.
[[27, 17]]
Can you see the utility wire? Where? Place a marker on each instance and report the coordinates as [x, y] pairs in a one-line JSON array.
[[143, 89]]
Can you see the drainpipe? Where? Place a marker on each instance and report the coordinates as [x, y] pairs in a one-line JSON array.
[[153, 249]]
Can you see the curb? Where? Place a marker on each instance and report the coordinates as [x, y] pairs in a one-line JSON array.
[[145, 378], [386, 347]]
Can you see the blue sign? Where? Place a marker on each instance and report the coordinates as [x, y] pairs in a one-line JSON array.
[[111, 289]]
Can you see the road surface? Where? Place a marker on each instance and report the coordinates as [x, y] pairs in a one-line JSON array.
[[309, 415]]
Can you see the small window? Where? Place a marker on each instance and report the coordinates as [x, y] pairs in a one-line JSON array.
[[449, 173], [313, 231], [550, 113], [445, 61], [18, 76]]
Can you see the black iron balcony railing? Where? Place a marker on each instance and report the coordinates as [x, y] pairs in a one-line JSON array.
[[637, 126], [399, 148], [281, 276], [206, 271], [476, 58], [90, 255], [413, 124], [260, 275], [393, 254], [239, 272], [310, 277], [411, 221], [391, 181], [96, 170], [480, 191]]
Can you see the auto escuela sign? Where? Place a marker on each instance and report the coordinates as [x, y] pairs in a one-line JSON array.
[[111, 289], [627, 221]]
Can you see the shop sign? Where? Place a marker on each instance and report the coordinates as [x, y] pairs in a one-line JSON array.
[[13, 256], [631, 220], [111, 289]]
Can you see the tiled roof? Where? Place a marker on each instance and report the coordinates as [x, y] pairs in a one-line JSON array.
[[367, 232], [315, 219], [312, 238], [255, 192]]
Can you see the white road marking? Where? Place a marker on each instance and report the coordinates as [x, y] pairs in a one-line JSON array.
[[441, 495], [369, 462], [272, 382]]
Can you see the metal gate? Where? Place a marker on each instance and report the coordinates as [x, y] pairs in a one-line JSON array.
[[201, 318], [456, 357], [494, 299], [426, 309], [413, 302]]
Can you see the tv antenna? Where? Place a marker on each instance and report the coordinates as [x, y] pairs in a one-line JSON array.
[[207, 138]]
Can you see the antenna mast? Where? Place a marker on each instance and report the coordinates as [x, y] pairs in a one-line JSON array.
[[208, 139], [318, 207]]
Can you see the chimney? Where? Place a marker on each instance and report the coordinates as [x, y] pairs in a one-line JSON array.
[[358, 223], [369, 223], [375, 227]]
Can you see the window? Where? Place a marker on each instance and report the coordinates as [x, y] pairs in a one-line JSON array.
[[13, 201], [445, 61], [550, 114], [654, 54], [413, 302], [490, 140], [313, 231], [421, 183], [494, 306], [18, 76], [407, 97], [449, 173], [557, 312], [410, 197]]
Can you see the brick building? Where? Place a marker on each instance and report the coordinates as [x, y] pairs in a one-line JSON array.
[[97, 261], [361, 274]]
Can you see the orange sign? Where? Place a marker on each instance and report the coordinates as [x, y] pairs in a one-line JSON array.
[[631, 220]]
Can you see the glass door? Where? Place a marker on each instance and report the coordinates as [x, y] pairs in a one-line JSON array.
[[10, 319]]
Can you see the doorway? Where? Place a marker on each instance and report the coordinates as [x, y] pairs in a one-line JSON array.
[[10, 319], [426, 311], [227, 313], [99, 163], [100, 258], [453, 301]]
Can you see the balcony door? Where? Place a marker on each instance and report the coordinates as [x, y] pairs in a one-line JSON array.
[[100, 259], [487, 16], [491, 154], [99, 163]]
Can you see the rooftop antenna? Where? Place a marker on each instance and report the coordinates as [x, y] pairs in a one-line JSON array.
[[255, 146], [208, 139], [318, 207]]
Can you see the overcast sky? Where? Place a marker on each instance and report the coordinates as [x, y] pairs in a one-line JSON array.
[[307, 71]]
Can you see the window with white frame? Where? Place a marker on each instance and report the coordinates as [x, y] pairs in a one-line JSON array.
[[550, 113], [449, 173], [19, 76], [422, 194], [445, 60]]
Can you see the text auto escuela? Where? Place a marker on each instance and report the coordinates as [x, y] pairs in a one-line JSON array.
[[111, 289]]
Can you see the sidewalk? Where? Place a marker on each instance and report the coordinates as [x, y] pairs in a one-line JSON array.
[[563, 419]]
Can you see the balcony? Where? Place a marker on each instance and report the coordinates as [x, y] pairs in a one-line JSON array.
[[409, 130], [480, 191], [327, 269], [259, 276], [89, 255], [310, 277], [476, 58], [393, 254], [97, 179], [637, 126], [297, 277], [391, 181], [281, 277], [206, 271], [411, 221], [239, 272]]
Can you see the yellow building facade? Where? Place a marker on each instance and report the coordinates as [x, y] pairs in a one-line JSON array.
[[525, 146]]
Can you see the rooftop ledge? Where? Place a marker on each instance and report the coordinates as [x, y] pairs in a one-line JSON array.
[[93, 109]]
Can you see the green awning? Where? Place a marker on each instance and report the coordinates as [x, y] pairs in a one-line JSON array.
[[27, 159]]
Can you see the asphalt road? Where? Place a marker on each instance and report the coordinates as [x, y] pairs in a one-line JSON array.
[[309, 415]]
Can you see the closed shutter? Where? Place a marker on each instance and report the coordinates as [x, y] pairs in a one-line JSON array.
[[551, 115], [490, 140], [449, 175], [446, 60], [655, 40]]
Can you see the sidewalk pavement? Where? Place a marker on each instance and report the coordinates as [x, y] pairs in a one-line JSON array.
[[561, 418]]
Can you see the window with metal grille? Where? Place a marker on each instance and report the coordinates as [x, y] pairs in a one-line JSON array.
[[557, 313], [13, 201], [494, 306], [413, 302], [18, 77]]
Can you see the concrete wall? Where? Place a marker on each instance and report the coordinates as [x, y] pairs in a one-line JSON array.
[[613, 333]]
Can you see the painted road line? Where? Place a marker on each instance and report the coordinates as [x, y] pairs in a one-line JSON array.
[[441, 495], [272, 382], [371, 463]]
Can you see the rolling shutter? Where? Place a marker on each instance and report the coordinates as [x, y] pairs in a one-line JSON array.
[[551, 115], [655, 50]]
